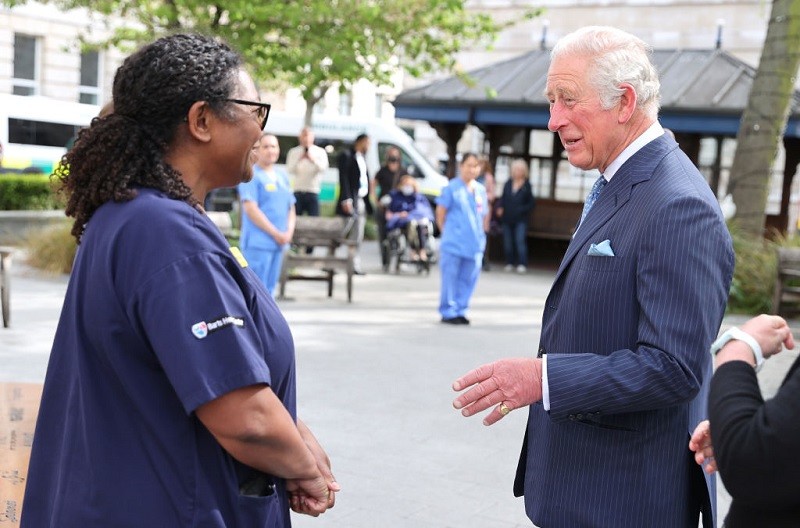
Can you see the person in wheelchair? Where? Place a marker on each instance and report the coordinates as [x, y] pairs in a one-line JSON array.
[[409, 211]]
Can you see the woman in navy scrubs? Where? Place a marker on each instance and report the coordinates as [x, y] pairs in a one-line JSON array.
[[169, 398]]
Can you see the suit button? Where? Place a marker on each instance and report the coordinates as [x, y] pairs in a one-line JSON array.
[[579, 417], [540, 352]]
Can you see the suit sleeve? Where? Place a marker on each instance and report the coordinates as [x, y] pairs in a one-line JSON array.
[[755, 442], [345, 192], [679, 279]]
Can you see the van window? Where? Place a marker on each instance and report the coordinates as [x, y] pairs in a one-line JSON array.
[[333, 147], [405, 159], [29, 132], [286, 143]]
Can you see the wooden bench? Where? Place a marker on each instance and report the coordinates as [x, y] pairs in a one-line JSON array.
[[5, 284], [19, 406], [554, 220], [328, 234], [786, 298], [222, 220]]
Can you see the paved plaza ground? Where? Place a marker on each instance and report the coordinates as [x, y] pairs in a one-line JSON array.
[[374, 382]]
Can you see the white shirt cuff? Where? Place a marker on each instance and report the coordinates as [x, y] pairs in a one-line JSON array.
[[545, 386]]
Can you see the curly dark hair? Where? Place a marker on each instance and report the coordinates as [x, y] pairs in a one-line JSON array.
[[153, 91]]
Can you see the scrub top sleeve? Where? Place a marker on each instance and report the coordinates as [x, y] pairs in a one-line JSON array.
[[446, 198], [194, 314], [248, 191]]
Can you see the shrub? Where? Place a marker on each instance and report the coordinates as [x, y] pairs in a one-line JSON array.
[[19, 192], [52, 249], [754, 276]]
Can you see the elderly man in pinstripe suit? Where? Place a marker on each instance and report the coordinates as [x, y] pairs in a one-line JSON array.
[[622, 371]]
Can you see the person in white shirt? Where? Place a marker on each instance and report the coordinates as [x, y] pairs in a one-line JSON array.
[[306, 163]]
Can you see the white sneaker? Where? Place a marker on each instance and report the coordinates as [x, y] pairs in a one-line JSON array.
[[509, 267], [521, 269]]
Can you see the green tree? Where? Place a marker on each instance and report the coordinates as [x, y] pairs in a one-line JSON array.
[[765, 117], [312, 45]]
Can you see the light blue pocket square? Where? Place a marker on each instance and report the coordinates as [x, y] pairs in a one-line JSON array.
[[603, 249]]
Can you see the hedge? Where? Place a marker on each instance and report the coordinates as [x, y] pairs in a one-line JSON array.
[[19, 192]]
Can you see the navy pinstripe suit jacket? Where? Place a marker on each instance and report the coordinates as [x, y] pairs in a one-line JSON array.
[[627, 341]]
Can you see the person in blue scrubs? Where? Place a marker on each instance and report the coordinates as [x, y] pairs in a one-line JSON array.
[[462, 214], [169, 398], [268, 213]]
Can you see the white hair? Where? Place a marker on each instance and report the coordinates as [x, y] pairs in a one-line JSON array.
[[521, 164], [616, 58]]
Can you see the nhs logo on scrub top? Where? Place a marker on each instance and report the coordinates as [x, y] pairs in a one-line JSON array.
[[202, 329]]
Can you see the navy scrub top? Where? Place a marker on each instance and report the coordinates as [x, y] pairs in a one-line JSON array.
[[160, 317]]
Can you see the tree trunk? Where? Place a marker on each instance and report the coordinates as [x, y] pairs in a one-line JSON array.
[[764, 119]]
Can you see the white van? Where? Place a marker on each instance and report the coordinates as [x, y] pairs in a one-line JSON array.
[[36, 131], [336, 133]]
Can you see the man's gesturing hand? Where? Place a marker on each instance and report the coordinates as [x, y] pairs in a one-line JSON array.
[[515, 382]]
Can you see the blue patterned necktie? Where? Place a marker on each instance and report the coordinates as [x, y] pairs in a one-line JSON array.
[[597, 188]]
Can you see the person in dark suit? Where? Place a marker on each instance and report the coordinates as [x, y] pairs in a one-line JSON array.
[[754, 442], [354, 191], [622, 372]]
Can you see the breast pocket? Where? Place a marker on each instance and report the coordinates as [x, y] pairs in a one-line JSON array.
[[603, 264]]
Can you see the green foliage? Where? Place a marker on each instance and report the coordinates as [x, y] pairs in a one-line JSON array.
[[52, 249], [754, 276], [20, 192], [313, 44]]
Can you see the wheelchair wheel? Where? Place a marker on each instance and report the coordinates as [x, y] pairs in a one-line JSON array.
[[386, 255]]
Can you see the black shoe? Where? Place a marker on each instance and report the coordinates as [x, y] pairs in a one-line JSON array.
[[452, 320], [358, 272], [463, 320]]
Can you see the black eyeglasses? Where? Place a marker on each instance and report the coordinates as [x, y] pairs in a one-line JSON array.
[[263, 109], [392, 160]]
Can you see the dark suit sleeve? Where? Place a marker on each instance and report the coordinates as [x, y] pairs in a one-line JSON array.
[[755, 442], [345, 190], [679, 274]]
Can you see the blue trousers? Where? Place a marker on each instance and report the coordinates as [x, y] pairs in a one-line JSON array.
[[459, 277], [515, 245], [266, 263]]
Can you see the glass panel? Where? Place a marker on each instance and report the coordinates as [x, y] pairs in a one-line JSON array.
[[88, 98], [23, 90], [90, 62], [27, 132], [24, 57], [541, 143]]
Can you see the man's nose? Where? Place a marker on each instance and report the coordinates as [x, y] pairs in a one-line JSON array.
[[556, 120]]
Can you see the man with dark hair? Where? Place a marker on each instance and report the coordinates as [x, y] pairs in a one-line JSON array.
[[385, 180], [354, 191]]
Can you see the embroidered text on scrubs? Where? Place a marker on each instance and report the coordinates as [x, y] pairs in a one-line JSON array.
[[202, 329]]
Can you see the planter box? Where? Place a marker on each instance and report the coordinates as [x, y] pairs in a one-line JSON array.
[[15, 225]]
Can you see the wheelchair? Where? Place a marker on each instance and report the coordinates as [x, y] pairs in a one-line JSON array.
[[397, 250]]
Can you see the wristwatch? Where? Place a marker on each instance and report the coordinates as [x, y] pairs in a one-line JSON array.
[[735, 333]]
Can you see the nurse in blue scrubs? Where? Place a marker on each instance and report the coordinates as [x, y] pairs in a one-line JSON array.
[[462, 214], [269, 215], [169, 398]]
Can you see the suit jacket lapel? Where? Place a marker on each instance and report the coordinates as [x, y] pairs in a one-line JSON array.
[[637, 169]]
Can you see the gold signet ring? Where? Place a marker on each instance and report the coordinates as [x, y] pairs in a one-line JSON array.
[[504, 410]]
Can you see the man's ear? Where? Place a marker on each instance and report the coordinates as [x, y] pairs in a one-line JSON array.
[[627, 103], [199, 120]]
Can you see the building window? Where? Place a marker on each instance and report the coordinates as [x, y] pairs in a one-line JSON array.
[[379, 105], [90, 78], [25, 80], [345, 103]]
